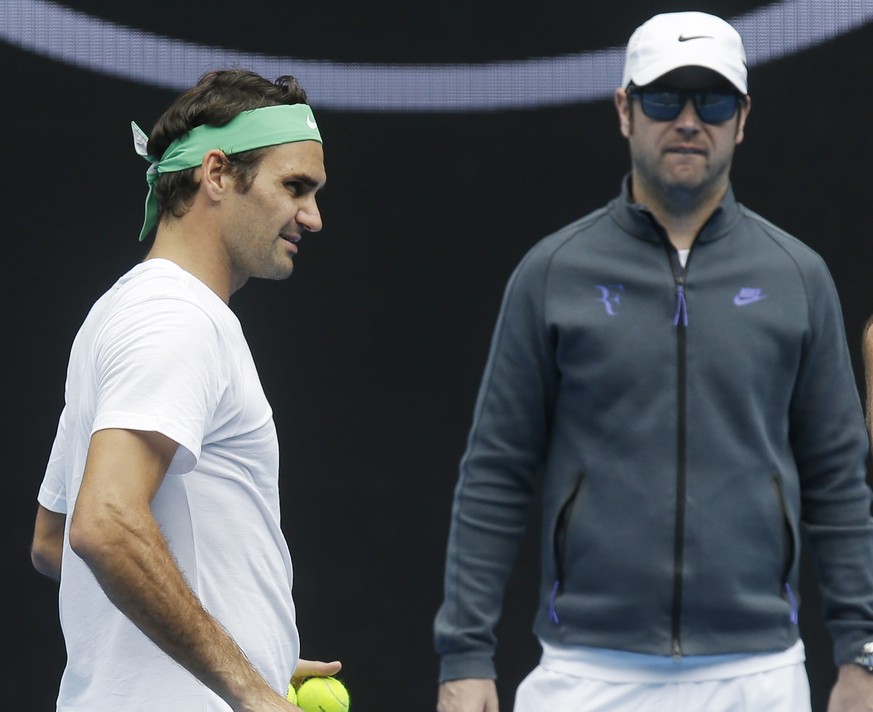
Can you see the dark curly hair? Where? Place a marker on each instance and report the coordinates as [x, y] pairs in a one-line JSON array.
[[218, 97]]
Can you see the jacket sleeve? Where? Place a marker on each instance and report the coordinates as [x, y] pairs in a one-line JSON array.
[[506, 449], [830, 444]]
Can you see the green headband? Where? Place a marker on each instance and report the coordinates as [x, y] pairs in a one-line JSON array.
[[257, 128]]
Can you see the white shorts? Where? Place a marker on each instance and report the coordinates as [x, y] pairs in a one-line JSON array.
[[546, 689]]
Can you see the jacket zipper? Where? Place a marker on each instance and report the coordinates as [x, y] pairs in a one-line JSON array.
[[680, 321]]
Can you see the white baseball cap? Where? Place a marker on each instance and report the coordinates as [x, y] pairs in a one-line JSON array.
[[685, 39]]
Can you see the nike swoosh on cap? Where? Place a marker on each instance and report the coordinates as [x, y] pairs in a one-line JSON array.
[[683, 38]]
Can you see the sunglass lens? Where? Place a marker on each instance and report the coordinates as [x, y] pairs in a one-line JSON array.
[[661, 105], [715, 107]]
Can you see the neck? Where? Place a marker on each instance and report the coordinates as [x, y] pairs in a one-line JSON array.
[[681, 212], [193, 251]]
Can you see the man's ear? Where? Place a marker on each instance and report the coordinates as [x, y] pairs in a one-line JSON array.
[[214, 177], [744, 110], [622, 106]]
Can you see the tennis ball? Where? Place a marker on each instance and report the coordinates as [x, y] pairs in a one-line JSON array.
[[291, 695], [323, 694]]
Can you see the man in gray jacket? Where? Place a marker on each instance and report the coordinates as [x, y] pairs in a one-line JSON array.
[[671, 371]]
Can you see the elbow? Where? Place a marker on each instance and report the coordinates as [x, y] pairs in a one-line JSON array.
[[85, 538], [97, 532], [46, 561]]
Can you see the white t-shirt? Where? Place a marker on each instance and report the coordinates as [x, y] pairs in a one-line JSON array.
[[161, 352]]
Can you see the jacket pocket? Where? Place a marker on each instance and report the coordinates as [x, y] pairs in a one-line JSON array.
[[560, 536], [789, 548]]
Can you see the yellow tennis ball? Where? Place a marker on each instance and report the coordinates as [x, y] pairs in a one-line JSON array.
[[291, 695], [323, 694]]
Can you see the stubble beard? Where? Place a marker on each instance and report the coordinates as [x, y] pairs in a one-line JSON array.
[[680, 195]]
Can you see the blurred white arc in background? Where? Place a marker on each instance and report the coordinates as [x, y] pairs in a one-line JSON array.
[[772, 31]]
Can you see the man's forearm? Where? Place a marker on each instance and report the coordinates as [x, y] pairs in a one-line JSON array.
[[46, 551], [132, 562]]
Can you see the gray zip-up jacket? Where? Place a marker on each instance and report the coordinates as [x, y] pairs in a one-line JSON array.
[[684, 425]]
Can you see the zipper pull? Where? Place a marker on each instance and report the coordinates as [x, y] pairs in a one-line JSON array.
[[792, 601], [681, 307], [553, 612]]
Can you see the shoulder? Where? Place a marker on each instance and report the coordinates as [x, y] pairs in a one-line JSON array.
[[569, 240], [160, 295], [563, 252], [156, 313], [793, 248], [798, 268]]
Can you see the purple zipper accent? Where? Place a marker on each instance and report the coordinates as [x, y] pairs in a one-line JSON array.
[[553, 613], [681, 307], [792, 601]]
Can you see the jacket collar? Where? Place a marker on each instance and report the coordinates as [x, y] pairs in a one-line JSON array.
[[639, 221]]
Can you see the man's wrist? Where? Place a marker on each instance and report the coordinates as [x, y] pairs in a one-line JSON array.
[[864, 658]]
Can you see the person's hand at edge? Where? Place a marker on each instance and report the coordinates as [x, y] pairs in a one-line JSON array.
[[853, 691], [470, 695]]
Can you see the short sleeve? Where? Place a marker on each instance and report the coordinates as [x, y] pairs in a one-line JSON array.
[[158, 368], [52, 492]]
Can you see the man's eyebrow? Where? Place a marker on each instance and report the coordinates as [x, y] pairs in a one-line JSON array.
[[305, 179]]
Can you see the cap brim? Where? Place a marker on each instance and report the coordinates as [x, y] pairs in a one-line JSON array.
[[654, 71]]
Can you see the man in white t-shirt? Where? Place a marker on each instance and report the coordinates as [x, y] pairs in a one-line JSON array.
[[159, 510]]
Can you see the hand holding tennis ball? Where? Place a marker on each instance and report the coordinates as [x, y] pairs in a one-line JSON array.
[[314, 670], [321, 694]]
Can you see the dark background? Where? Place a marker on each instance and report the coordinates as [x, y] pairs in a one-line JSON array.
[[372, 352]]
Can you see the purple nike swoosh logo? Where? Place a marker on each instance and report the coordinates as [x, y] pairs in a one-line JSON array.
[[683, 38], [742, 300]]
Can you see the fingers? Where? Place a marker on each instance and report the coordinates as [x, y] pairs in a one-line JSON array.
[[314, 668]]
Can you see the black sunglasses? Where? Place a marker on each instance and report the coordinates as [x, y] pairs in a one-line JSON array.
[[712, 105]]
